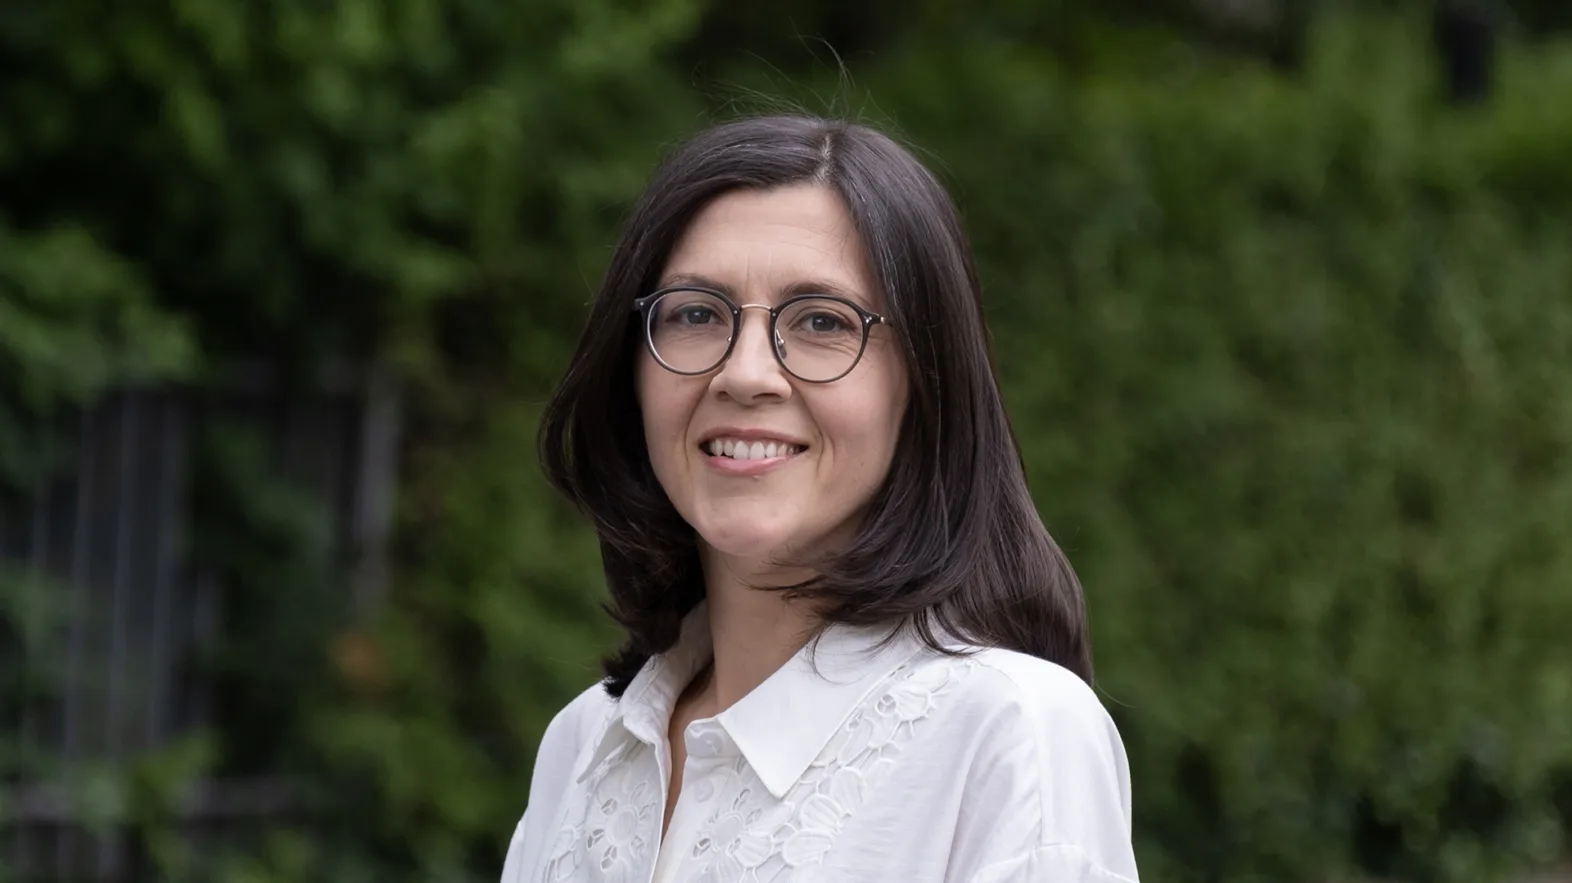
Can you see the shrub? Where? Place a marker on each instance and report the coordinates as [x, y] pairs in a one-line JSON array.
[[1289, 363]]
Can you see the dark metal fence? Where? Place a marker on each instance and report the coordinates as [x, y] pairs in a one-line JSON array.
[[114, 529]]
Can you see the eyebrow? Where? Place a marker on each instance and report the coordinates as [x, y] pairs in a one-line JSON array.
[[802, 286]]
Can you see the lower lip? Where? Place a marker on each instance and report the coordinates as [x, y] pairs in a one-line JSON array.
[[732, 466]]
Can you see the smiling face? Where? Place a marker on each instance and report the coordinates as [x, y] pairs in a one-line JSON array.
[[764, 466]]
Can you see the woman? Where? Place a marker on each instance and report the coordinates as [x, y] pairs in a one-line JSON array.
[[852, 651]]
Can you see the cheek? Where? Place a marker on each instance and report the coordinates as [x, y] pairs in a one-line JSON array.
[[886, 407], [864, 429], [666, 405]]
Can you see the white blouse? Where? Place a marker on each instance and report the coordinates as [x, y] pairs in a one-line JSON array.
[[851, 764]]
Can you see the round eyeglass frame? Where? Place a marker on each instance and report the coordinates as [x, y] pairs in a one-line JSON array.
[[643, 304]]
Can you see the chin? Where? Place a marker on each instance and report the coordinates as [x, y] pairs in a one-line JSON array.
[[736, 538], [747, 545]]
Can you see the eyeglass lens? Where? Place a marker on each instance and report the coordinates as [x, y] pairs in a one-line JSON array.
[[817, 338]]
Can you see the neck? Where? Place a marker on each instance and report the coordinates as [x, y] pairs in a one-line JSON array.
[[754, 632]]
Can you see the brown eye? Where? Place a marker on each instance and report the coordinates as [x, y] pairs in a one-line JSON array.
[[824, 323], [694, 315]]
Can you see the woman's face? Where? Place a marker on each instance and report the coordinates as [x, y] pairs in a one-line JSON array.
[[833, 442]]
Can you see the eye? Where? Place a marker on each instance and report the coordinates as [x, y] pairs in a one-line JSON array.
[[821, 321], [692, 314], [824, 323], [696, 315]]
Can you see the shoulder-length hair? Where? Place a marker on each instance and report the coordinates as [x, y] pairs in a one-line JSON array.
[[951, 543]]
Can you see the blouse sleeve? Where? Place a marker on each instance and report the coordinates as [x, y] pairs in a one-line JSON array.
[[1048, 793]]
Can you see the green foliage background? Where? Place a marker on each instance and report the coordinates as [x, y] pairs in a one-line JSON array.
[[1288, 354]]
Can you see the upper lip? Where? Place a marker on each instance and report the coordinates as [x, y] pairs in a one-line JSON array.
[[751, 435]]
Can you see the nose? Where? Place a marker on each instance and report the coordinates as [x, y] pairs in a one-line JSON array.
[[752, 372]]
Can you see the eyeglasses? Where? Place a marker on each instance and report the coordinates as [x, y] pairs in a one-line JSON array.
[[817, 338]]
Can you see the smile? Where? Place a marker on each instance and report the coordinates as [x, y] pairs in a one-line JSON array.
[[738, 449]]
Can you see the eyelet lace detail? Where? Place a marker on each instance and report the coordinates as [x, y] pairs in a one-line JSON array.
[[750, 837], [619, 822]]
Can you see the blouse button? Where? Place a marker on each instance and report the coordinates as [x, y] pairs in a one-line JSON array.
[[706, 744]]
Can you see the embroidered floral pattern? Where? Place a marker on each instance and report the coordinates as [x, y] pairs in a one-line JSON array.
[[751, 837], [748, 836], [620, 824]]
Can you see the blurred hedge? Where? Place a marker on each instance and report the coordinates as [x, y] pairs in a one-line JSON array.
[[1288, 359], [424, 183]]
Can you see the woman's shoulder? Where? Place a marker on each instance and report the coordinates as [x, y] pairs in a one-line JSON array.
[[1003, 680], [1047, 776], [557, 757], [1032, 684], [566, 739], [576, 723], [1012, 701]]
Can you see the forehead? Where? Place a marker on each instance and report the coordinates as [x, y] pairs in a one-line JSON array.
[[762, 242]]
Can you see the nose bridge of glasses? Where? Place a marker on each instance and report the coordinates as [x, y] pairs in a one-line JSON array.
[[767, 319]]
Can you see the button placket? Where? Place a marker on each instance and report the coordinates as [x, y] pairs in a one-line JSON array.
[[704, 789], [707, 744]]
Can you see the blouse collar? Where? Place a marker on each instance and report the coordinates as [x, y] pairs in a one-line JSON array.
[[783, 724]]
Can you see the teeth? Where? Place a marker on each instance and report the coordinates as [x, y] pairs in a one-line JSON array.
[[741, 450]]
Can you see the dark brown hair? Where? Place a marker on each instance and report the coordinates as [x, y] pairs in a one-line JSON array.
[[951, 540]]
